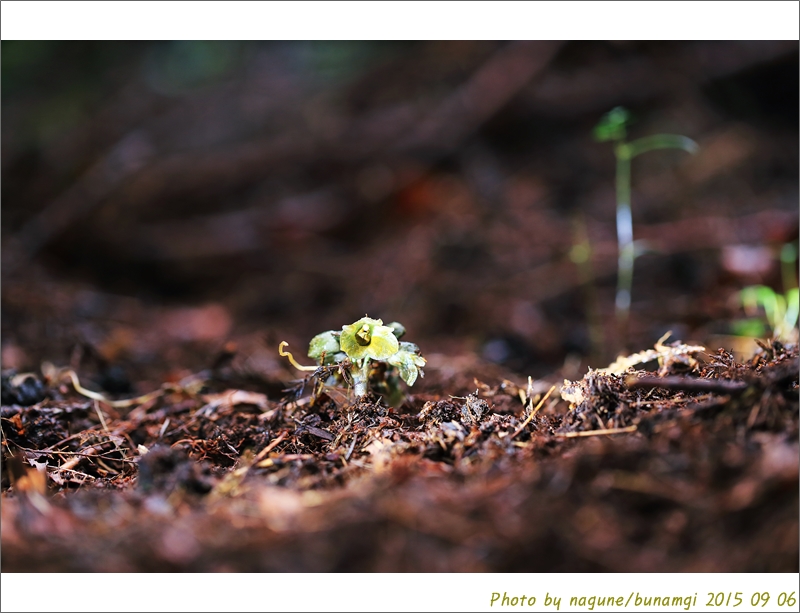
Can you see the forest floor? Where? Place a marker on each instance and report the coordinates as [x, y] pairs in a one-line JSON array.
[[677, 459]]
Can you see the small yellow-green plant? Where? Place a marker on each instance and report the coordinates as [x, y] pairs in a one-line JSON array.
[[613, 127], [365, 352], [780, 311]]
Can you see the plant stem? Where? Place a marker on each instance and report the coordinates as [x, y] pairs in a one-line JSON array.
[[625, 152], [624, 234], [361, 378]]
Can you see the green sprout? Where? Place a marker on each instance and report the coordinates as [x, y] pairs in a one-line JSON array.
[[781, 311], [613, 127], [359, 350]]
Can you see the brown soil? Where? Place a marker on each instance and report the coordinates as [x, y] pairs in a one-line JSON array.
[[695, 472]]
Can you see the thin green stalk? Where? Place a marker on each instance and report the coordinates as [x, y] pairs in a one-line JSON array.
[[613, 127], [624, 233]]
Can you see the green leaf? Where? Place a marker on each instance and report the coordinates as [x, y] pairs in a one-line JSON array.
[[749, 327], [661, 141], [780, 310], [398, 329], [408, 363], [792, 309], [323, 347], [613, 125], [368, 338], [754, 296], [410, 347]]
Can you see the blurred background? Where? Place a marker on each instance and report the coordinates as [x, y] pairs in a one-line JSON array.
[[168, 203]]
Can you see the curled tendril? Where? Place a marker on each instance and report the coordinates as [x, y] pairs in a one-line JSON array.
[[120, 404], [294, 363]]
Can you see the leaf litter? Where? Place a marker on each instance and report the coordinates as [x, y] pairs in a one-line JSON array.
[[692, 467]]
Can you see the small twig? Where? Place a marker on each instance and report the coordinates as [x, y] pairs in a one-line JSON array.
[[597, 432], [100, 415], [687, 384], [533, 412], [268, 462], [70, 464], [164, 427], [106, 466], [74, 472], [51, 448], [268, 448], [82, 454], [114, 403], [352, 446], [191, 441], [289, 457]]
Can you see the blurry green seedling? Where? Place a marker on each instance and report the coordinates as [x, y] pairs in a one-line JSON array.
[[613, 127], [365, 355], [780, 311]]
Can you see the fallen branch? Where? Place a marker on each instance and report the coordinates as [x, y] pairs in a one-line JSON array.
[[90, 452], [597, 432], [70, 464], [687, 384]]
